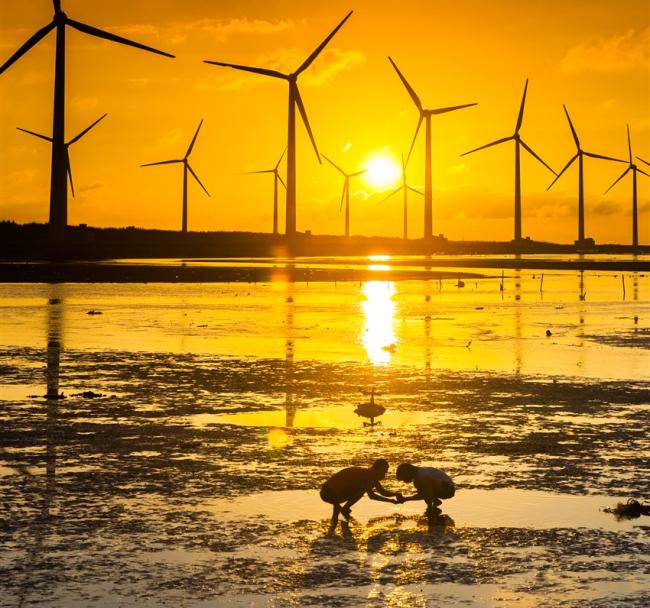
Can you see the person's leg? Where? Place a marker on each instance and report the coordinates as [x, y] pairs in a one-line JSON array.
[[336, 509], [345, 509]]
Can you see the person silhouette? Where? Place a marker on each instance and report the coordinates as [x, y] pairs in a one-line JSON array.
[[350, 484], [432, 485]]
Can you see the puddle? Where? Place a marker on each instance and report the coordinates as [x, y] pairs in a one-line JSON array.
[[506, 508], [334, 417]]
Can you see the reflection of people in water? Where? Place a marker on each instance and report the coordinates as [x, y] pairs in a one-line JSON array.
[[350, 484], [432, 485]]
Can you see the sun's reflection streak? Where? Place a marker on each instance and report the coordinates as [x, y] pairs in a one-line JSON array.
[[379, 314]]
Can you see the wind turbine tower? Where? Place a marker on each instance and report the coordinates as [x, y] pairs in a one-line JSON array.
[[295, 101], [58, 187]]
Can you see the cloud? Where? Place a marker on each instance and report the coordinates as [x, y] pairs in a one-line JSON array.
[[605, 208], [218, 29], [628, 51], [89, 188], [329, 63], [459, 168]]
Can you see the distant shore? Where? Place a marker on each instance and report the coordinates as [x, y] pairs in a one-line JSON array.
[[89, 255]]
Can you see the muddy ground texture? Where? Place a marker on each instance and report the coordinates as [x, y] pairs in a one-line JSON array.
[[103, 499]]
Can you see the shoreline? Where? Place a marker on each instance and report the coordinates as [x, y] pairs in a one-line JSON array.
[[280, 269]]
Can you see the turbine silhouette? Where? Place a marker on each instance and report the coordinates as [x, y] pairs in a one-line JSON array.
[[58, 187], [579, 155], [294, 100], [426, 114], [67, 146], [643, 161], [519, 143], [405, 187], [631, 167], [276, 179], [186, 168], [346, 191]]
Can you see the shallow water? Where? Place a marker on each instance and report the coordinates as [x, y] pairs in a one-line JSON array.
[[191, 474]]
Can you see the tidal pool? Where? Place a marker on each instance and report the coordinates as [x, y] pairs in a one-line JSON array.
[[198, 422]]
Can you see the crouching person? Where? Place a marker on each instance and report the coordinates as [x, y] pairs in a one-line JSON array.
[[346, 487], [432, 485]]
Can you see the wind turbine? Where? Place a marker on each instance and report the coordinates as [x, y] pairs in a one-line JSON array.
[[276, 179], [294, 100], [67, 146], [519, 143], [426, 114], [643, 161], [58, 186], [346, 191], [580, 154], [631, 167], [186, 168], [405, 187]]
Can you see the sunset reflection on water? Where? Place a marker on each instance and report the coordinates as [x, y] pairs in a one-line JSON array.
[[378, 308]]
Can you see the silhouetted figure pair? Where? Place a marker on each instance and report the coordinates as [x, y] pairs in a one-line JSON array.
[[346, 487]]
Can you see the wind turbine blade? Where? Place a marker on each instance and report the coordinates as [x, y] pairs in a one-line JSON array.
[[248, 68], [69, 170], [642, 171], [189, 150], [530, 151], [196, 177], [416, 191], [74, 139], [346, 185], [281, 180], [358, 173], [563, 170], [57, 6], [305, 120], [331, 162], [452, 108], [592, 155], [321, 46], [281, 157], [93, 31], [256, 172], [383, 200], [417, 130], [45, 137], [520, 118], [409, 88], [643, 161], [629, 143], [575, 135], [35, 39], [162, 162], [492, 143], [619, 179]]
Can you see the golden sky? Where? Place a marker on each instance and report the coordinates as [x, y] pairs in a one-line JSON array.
[[591, 55]]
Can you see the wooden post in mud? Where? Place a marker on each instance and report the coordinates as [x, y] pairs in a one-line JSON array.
[[541, 283], [623, 281]]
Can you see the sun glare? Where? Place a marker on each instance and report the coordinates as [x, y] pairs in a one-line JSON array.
[[382, 171]]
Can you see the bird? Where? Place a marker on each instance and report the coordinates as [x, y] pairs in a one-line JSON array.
[[370, 410]]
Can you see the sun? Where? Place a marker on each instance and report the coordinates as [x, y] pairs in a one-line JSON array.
[[382, 171]]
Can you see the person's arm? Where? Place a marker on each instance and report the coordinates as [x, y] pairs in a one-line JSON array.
[[384, 492], [417, 496], [373, 496]]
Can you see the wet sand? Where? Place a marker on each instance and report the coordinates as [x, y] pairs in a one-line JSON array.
[[190, 475]]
